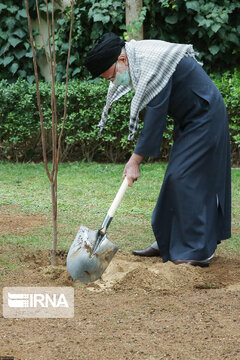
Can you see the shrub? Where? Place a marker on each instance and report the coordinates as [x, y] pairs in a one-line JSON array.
[[20, 138], [229, 86]]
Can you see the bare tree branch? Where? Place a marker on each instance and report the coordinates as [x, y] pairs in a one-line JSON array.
[[67, 71], [38, 92]]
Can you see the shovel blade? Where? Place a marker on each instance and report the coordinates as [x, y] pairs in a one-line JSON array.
[[82, 264]]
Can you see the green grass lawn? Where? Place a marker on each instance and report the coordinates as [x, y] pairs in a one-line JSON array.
[[85, 192]]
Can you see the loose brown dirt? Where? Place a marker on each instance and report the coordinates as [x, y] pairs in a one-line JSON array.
[[139, 309], [12, 221]]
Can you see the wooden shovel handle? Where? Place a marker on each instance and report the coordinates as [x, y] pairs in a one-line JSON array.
[[118, 198]]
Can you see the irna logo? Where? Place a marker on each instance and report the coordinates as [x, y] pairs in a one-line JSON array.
[[35, 300], [38, 302]]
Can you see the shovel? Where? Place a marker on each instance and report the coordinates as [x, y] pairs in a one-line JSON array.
[[91, 251]]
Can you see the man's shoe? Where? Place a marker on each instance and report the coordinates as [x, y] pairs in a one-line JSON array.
[[202, 263], [148, 252]]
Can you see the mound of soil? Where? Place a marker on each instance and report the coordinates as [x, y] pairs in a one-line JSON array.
[[128, 275]]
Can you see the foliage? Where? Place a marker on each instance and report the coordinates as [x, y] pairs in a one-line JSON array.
[[15, 49], [91, 20], [211, 26], [20, 128]]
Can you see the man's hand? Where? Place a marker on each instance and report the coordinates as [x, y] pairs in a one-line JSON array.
[[131, 170]]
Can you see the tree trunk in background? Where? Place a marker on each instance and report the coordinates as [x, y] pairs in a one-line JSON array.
[[133, 8]]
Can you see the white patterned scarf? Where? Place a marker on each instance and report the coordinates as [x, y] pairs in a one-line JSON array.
[[151, 64]]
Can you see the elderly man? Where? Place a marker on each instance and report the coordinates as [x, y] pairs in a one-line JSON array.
[[193, 212]]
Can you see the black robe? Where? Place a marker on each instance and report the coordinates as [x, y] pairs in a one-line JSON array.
[[193, 211]]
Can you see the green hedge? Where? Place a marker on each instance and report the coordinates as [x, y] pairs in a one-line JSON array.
[[20, 138]]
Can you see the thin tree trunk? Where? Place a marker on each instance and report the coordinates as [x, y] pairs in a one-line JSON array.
[[54, 221], [56, 141]]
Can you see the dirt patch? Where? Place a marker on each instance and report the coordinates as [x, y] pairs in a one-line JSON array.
[[139, 309], [13, 221], [41, 258]]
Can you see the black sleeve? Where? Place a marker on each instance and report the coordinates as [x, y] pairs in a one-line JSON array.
[[150, 138]]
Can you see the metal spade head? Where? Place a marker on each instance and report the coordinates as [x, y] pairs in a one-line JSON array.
[[85, 265]]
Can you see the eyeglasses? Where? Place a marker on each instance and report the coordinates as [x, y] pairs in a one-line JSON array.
[[111, 78]]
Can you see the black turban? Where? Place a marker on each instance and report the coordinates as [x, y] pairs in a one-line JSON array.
[[104, 54]]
